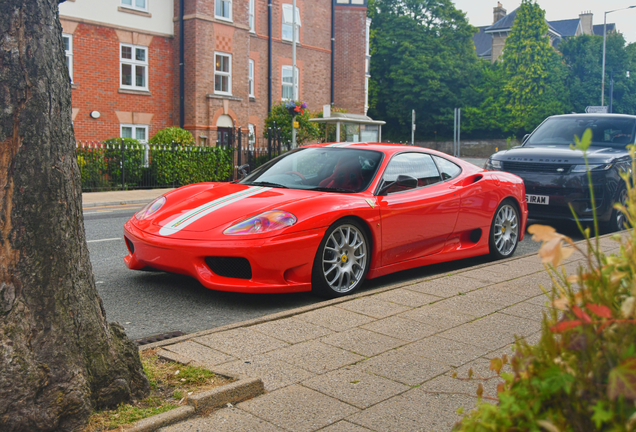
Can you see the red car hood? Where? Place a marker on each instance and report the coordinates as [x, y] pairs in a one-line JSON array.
[[220, 205]]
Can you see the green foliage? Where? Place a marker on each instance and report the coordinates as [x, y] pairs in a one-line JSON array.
[[581, 376], [327, 133], [133, 156], [281, 117], [171, 135], [423, 58], [191, 164]]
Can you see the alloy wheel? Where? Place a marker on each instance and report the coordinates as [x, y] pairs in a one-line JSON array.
[[506, 230], [344, 258]]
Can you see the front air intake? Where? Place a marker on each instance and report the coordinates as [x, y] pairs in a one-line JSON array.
[[231, 267]]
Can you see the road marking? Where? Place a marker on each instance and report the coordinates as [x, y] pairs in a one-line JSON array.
[[99, 212], [104, 240]]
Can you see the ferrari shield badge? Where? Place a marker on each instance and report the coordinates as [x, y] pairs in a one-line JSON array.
[[371, 202]]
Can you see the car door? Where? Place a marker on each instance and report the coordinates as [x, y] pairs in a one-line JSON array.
[[416, 221]]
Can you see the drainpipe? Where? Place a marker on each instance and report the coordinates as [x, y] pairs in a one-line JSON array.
[[181, 66], [333, 46], [269, 53]]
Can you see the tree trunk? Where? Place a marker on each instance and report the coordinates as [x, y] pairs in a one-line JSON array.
[[59, 358]]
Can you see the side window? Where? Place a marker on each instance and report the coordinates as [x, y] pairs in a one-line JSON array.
[[447, 169], [417, 165]]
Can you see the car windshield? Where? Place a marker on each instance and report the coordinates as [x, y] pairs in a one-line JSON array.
[[606, 131], [319, 168]]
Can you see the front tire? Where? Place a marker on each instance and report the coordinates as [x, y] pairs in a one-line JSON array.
[[342, 260], [618, 220], [504, 230]]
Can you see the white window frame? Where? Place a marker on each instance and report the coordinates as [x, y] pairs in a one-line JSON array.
[[134, 128], [223, 73], [133, 64], [287, 8], [251, 137], [288, 69], [251, 16], [69, 54], [250, 78], [228, 3], [133, 6]]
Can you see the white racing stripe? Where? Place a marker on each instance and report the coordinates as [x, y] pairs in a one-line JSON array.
[[182, 221], [345, 144]]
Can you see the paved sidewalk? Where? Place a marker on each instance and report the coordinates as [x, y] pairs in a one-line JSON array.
[[377, 361], [141, 196]]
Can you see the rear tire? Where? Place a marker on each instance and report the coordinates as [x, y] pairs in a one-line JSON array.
[[504, 230], [342, 260]]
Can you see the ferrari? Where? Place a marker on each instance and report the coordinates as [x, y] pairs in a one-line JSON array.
[[326, 217]]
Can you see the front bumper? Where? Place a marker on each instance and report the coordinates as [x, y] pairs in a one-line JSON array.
[[571, 189], [279, 264]]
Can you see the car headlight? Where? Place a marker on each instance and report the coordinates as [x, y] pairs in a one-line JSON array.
[[262, 223], [150, 208], [595, 167], [493, 164]]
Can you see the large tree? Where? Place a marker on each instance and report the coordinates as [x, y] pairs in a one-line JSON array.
[[424, 59], [534, 73], [59, 357]]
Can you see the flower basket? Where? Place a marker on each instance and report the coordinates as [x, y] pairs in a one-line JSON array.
[[295, 108]]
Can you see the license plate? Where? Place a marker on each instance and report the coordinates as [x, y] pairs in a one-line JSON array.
[[538, 199]]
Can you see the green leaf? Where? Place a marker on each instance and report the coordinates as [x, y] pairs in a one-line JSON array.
[[602, 413], [622, 380]]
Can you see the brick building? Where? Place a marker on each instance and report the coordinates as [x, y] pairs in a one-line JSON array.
[[124, 57]]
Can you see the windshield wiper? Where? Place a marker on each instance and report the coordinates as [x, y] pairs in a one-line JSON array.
[[331, 189], [267, 184]]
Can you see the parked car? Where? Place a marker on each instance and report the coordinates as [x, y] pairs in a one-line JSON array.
[[555, 176], [325, 217]]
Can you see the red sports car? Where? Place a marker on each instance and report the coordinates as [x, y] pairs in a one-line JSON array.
[[325, 217]]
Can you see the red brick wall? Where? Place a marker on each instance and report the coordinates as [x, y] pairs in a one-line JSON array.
[[350, 58], [96, 84]]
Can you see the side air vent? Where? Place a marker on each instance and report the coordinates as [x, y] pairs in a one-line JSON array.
[[232, 267], [130, 245]]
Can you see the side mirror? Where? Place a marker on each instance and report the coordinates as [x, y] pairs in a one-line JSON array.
[[405, 181], [244, 170]]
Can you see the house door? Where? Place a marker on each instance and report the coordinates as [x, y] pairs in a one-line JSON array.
[[224, 137]]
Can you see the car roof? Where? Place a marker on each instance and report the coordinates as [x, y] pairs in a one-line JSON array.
[[387, 148], [600, 115]]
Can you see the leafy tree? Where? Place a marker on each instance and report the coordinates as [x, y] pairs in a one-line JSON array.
[[59, 357], [534, 73], [423, 59]]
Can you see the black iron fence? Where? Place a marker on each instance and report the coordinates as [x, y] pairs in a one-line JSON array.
[[125, 164]]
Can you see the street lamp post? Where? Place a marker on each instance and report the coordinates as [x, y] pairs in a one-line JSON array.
[[604, 41]]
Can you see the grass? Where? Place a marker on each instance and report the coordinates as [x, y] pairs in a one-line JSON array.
[[170, 385]]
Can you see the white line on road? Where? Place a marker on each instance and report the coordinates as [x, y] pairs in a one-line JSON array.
[[103, 240]]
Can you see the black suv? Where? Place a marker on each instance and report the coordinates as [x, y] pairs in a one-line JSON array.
[[555, 175]]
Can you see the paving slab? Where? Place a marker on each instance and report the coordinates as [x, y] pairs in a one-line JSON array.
[[334, 318], [364, 342], [316, 357], [447, 286], [469, 304], [404, 366], [292, 330], [274, 373], [355, 386], [401, 328], [199, 354], [373, 307], [345, 426], [445, 351], [527, 310], [437, 316], [241, 343], [298, 408], [407, 297], [224, 420]]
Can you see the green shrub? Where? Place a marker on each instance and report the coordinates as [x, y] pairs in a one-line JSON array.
[[581, 376], [172, 134], [280, 116], [191, 164], [133, 161]]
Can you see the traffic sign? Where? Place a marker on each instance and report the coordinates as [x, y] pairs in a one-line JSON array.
[[596, 110]]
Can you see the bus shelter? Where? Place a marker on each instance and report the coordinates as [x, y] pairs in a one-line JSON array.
[[346, 127]]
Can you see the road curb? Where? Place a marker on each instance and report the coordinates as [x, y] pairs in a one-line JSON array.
[[232, 393], [114, 203]]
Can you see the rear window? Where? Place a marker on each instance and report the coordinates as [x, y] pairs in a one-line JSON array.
[[606, 131]]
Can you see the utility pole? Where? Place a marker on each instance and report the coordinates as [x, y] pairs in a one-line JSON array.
[[294, 78], [413, 127]]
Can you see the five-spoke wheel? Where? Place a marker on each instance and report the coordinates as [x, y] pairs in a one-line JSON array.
[[504, 230], [342, 260]]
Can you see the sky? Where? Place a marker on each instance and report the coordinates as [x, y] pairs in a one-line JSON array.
[[480, 12]]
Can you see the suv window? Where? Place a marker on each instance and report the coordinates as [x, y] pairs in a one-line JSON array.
[[606, 131]]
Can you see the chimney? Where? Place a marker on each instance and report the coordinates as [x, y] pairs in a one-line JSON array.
[[586, 23], [498, 13]]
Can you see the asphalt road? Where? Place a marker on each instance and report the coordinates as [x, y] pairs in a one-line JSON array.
[[148, 304]]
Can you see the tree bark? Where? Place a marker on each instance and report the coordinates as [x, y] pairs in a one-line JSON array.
[[59, 358]]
